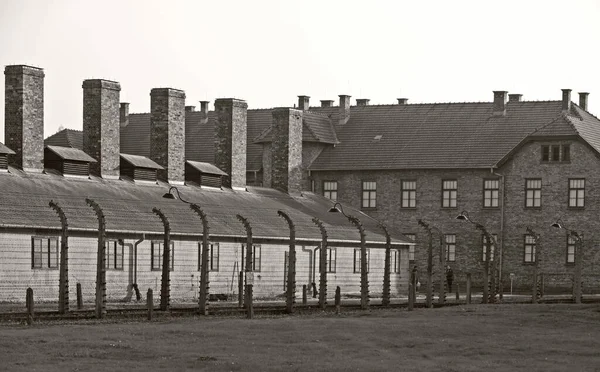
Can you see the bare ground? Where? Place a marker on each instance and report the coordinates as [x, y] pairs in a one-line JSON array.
[[562, 337]]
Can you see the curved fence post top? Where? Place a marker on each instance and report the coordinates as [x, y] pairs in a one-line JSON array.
[[61, 214], [245, 222], [196, 208], [162, 217], [96, 207]]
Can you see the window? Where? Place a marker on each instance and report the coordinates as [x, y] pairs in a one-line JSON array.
[[114, 255], [571, 249], [449, 190], [411, 248], [450, 247], [485, 244], [530, 246], [556, 153], [256, 257], [490, 193], [408, 192], [394, 261], [533, 193], [157, 255], [577, 193], [330, 190], [213, 256], [331, 260], [44, 253], [369, 194], [357, 260]]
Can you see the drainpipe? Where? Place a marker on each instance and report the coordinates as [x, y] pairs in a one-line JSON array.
[[135, 251], [131, 269], [501, 253]]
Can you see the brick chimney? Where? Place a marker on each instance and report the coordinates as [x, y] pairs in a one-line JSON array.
[[515, 97], [124, 114], [303, 102], [500, 102], [24, 116], [583, 100], [344, 109], [362, 101], [326, 103], [230, 140], [167, 133], [402, 101], [204, 107], [190, 108], [566, 100], [286, 150]]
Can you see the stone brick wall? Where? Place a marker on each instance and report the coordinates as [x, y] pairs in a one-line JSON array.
[[526, 163], [286, 150], [24, 116], [167, 132], [230, 140], [101, 126]]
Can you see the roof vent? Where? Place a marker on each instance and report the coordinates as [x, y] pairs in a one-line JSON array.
[[4, 152], [138, 168], [203, 174], [500, 102], [514, 97], [190, 108], [362, 101], [566, 100], [326, 103], [402, 101], [583, 100], [68, 161]]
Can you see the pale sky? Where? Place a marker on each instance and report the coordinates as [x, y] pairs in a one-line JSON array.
[[269, 52]]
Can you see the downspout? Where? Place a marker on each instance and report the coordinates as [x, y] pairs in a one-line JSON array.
[[310, 263], [501, 255], [135, 255], [131, 269]]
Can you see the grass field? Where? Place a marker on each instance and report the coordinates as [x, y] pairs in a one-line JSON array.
[[459, 338]]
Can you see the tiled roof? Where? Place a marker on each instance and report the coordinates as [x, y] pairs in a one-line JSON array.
[[127, 208], [315, 128], [586, 125], [440, 135], [140, 161], [135, 137], [5, 150], [206, 168], [66, 138], [71, 153]]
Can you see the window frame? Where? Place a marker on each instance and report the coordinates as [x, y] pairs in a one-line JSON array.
[[529, 242], [492, 191], [450, 247], [555, 153], [411, 248], [577, 197], [161, 250], [451, 192], [371, 195], [571, 246], [107, 250], [411, 194], [394, 261], [331, 265], [47, 263], [330, 191], [357, 262], [533, 190]]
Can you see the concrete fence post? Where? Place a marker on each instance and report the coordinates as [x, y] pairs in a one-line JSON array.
[[79, 297], [338, 299], [29, 305], [468, 288], [150, 303]]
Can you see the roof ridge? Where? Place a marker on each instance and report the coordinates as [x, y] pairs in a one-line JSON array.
[[317, 113]]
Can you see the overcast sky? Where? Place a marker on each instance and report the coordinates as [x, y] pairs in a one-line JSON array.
[[269, 52]]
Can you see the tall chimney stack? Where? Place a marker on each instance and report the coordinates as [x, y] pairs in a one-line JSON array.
[[566, 100], [124, 114], [344, 109], [583, 100], [167, 133], [230, 140], [286, 150], [24, 116], [500, 102], [303, 102], [204, 107]]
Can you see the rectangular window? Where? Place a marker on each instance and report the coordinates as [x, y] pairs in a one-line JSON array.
[[411, 248], [408, 192], [331, 260], [330, 190], [394, 261], [566, 153], [156, 250], [256, 257], [213, 262], [577, 193], [369, 194], [545, 153], [485, 244], [450, 247], [44, 253], [449, 191], [114, 255], [571, 250], [357, 260], [530, 245], [556, 153], [533, 193], [490, 193]]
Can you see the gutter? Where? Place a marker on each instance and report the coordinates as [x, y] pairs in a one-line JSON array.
[[501, 255]]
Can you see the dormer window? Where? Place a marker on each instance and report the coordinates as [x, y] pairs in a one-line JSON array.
[[68, 161], [203, 174], [138, 168], [556, 153]]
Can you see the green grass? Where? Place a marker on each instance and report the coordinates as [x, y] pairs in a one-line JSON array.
[[459, 338]]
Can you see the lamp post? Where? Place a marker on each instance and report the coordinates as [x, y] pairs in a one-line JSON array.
[[536, 256], [429, 228], [203, 295], [578, 257], [490, 244], [364, 280]]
